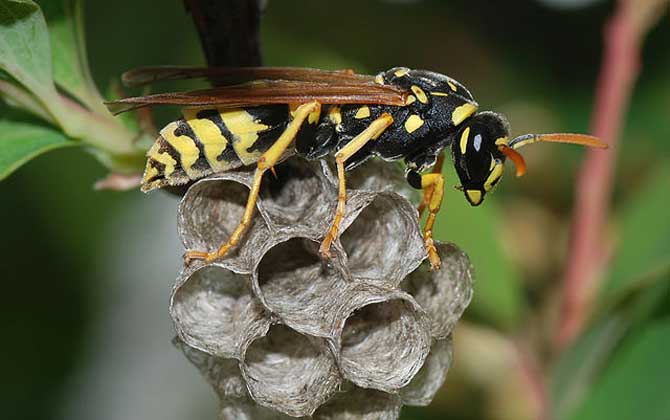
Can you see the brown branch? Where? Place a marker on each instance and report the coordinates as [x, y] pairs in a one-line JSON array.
[[623, 37], [229, 30]]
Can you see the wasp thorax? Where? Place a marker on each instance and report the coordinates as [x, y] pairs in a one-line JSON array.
[[477, 158]]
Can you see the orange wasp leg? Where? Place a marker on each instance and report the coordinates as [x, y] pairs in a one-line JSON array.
[[434, 182], [437, 169], [373, 131]]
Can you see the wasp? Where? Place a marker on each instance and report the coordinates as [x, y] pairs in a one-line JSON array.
[[259, 115]]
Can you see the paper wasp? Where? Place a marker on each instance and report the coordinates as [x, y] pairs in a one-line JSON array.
[[259, 114]]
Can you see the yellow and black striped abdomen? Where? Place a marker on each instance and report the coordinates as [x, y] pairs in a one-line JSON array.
[[211, 140]]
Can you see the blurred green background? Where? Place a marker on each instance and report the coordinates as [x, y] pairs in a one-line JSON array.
[[87, 274]]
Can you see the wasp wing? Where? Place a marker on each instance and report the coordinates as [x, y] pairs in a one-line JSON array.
[[267, 92], [235, 75]]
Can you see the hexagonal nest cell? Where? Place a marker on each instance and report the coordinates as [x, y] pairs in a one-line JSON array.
[[281, 333]]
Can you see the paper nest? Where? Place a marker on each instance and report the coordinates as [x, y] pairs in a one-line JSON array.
[[280, 333]]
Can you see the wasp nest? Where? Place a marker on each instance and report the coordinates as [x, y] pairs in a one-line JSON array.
[[281, 333]]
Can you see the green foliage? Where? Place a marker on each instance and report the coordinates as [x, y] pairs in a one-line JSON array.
[[22, 142], [498, 298], [34, 59], [70, 64], [24, 46], [636, 384], [645, 235], [635, 296]]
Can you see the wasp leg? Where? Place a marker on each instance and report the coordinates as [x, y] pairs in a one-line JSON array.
[[373, 131], [437, 169], [266, 161], [434, 181]]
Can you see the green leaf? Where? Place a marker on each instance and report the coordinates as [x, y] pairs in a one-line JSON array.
[[580, 364], [20, 142], [645, 235], [24, 46], [68, 47], [635, 386], [17, 97], [498, 297], [636, 290], [584, 362]]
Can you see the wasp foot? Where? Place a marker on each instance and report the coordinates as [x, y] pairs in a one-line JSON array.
[[433, 256]]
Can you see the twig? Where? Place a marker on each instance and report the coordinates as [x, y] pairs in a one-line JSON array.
[[534, 380], [623, 37], [229, 30]]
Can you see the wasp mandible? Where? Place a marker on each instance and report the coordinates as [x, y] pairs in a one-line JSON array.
[[259, 115]]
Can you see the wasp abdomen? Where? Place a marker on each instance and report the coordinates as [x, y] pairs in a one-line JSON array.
[[211, 140]]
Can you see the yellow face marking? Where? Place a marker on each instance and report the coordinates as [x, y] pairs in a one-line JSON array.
[[410, 99], [214, 143], [495, 174], [502, 140], [412, 123], [462, 112], [363, 112], [475, 196], [401, 72], [245, 131], [335, 116], [185, 146], [464, 140], [162, 157], [420, 94], [379, 79], [439, 93], [452, 86]]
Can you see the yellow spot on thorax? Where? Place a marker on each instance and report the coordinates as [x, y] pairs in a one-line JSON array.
[[214, 143], [462, 112], [185, 146], [335, 116], [420, 94], [475, 196], [495, 174], [363, 112], [452, 86], [464, 140], [410, 99], [439, 93], [412, 123], [245, 133], [379, 79], [401, 72]]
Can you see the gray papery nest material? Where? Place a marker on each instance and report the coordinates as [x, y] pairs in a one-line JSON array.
[[279, 332]]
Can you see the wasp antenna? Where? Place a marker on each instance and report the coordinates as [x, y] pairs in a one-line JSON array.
[[581, 139], [515, 157]]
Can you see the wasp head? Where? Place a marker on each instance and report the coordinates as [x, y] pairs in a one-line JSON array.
[[477, 151], [482, 144]]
